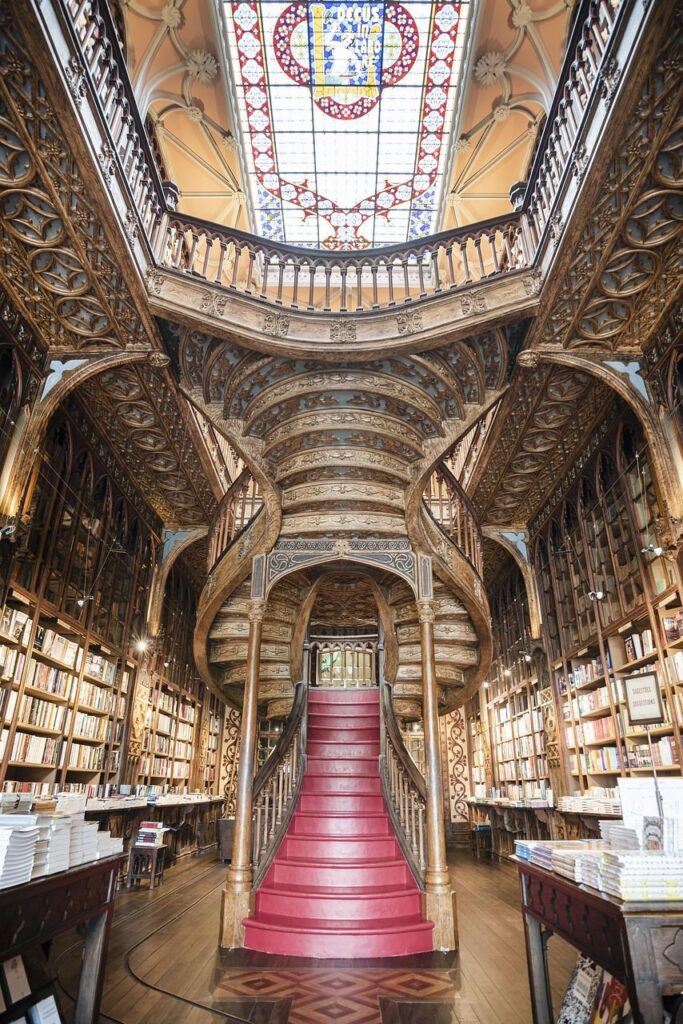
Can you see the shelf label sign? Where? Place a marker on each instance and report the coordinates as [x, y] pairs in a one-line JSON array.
[[644, 699]]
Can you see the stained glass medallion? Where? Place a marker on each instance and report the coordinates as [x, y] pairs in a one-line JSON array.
[[345, 111]]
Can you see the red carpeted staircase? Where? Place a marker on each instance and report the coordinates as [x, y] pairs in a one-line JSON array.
[[339, 885]]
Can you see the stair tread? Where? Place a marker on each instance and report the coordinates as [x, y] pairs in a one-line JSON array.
[[353, 892], [382, 862], [322, 813], [333, 926]]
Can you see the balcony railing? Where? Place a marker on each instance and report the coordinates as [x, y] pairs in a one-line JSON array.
[[450, 508], [583, 70], [239, 505], [341, 282], [328, 282]]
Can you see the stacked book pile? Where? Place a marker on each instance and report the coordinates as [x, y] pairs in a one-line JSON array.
[[150, 833], [18, 838], [570, 862], [642, 875], [52, 848], [108, 845], [83, 844], [591, 803], [618, 836], [591, 872]]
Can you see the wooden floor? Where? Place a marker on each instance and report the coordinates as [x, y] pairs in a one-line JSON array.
[[163, 960]]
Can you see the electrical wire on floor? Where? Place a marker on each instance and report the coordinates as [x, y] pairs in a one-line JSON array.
[[166, 992], [155, 988]]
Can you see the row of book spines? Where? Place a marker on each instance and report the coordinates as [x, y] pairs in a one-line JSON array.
[[62, 683], [50, 751], [44, 714]]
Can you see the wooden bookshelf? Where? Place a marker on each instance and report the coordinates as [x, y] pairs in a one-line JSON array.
[[75, 592], [176, 698], [62, 699], [214, 712], [607, 538]]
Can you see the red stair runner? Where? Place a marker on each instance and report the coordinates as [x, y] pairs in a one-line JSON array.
[[339, 885]]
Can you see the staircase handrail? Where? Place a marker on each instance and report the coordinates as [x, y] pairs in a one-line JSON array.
[[405, 790], [277, 785], [420, 268], [463, 529], [228, 522]]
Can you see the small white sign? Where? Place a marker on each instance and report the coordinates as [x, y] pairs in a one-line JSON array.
[[644, 699]]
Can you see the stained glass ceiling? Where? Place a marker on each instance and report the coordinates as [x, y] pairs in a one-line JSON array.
[[345, 111]]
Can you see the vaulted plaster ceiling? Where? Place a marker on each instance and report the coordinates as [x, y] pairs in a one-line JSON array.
[[510, 51], [516, 59]]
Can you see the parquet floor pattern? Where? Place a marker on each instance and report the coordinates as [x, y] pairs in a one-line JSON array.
[[164, 967]]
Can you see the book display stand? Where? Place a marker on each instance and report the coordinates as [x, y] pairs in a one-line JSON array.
[[638, 943], [32, 914]]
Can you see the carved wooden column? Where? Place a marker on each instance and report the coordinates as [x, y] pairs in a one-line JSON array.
[[237, 892], [439, 898]]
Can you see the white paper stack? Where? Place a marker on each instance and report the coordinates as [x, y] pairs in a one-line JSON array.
[[619, 836], [71, 803], [90, 841], [108, 845], [18, 838], [644, 875], [567, 861], [52, 849], [76, 840]]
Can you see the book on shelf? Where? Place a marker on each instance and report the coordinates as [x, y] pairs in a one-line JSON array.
[[15, 983], [580, 998], [45, 1011], [611, 1003], [672, 624]]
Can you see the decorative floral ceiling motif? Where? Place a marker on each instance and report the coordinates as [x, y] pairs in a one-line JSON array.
[[346, 112]]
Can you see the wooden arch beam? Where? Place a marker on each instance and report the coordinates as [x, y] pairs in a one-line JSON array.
[[515, 540], [63, 376], [174, 542], [623, 373]]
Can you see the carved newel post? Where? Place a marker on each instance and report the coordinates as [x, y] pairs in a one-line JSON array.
[[439, 897], [237, 892]]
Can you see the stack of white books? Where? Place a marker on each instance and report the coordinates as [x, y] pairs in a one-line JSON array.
[[642, 875], [108, 845], [77, 840], [568, 861], [52, 849], [90, 841], [618, 836], [18, 838]]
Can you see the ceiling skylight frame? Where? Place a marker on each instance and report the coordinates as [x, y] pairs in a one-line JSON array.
[[286, 201]]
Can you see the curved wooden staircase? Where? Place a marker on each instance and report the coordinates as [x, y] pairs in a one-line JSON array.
[[340, 885]]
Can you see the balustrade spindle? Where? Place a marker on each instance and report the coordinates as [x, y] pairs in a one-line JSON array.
[[277, 785]]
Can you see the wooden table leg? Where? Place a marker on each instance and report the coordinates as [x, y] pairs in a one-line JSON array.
[[92, 970], [537, 963]]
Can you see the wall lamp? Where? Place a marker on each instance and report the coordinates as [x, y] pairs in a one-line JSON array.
[[596, 595]]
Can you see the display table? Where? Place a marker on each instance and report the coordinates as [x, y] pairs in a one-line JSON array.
[[511, 821], [192, 823], [641, 944], [36, 912]]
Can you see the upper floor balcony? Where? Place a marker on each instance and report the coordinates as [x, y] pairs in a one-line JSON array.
[[234, 280]]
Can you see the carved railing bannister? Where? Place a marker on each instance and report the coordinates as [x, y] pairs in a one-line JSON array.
[[451, 510], [581, 73], [102, 59], [239, 505], [277, 786], [344, 282], [405, 790]]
